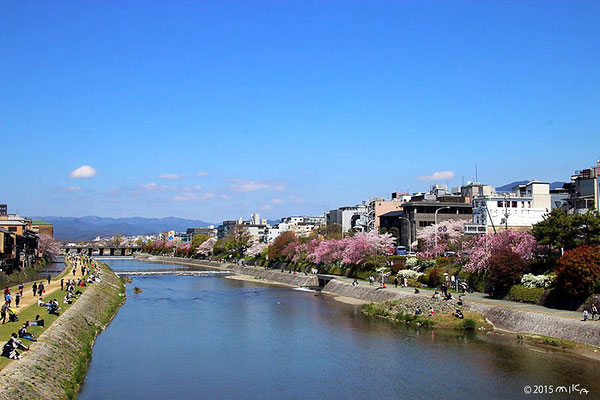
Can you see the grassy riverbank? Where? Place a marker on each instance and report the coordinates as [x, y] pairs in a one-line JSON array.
[[398, 311], [57, 364], [29, 313]]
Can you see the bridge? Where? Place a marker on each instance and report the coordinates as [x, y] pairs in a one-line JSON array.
[[101, 250]]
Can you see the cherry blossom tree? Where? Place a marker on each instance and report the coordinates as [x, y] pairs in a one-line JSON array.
[[256, 248], [49, 246], [481, 248], [206, 248], [447, 234]]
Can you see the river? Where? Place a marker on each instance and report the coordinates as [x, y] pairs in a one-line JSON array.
[[190, 337]]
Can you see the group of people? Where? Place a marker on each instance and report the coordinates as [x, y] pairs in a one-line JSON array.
[[8, 297], [72, 286], [593, 311]]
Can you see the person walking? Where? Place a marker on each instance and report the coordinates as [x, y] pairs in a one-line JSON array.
[[18, 298], [3, 313], [74, 271], [594, 312], [34, 287], [62, 284], [396, 281], [41, 288], [21, 289]]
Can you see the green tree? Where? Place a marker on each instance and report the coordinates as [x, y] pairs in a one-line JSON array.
[[238, 240], [578, 271], [219, 247], [563, 232], [197, 241]]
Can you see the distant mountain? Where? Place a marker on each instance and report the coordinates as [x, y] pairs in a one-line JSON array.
[[508, 187], [87, 228]]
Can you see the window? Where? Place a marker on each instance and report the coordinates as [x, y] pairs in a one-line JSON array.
[[500, 204], [514, 204], [522, 204], [12, 229], [528, 204]]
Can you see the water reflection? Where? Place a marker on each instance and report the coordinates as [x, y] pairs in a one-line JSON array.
[[211, 337]]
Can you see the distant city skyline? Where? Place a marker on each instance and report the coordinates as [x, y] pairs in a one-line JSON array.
[[215, 110]]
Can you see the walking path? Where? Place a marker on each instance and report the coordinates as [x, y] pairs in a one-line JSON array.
[[54, 285]]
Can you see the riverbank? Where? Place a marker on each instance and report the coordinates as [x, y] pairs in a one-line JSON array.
[[56, 364], [515, 319]]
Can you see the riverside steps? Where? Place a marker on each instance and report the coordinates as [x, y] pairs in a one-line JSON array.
[[504, 315], [57, 363]]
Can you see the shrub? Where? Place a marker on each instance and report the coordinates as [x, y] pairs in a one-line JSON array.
[[506, 269], [411, 262], [578, 271], [409, 274], [467, 324], [525, 294], [537, 281], [434, 277]]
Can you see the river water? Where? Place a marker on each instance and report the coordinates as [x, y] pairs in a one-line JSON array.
[[190, 337]]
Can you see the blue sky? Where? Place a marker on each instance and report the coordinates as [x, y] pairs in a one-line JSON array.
[[287, 107]]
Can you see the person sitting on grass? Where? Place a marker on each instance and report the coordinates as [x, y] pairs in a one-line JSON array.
[[418, 311], [41, 303], [431, 311], [460, 300], [10, 348], [26, 335], [53, 307], [458, 314]]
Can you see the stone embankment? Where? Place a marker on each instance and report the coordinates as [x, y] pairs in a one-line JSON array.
[[56, 364], [507, 318]]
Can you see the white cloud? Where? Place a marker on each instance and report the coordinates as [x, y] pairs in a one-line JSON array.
[[242, 185], [277, 201], [191, 188], [85, 171], [193, 196], [169, 176], [201, 173], [437, 176], [266, 207], [70, 189], [225, 197], [153, 187]]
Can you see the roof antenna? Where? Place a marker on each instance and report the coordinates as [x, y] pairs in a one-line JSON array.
[[476, 178]]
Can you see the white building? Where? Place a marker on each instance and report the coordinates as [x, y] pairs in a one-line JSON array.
[[348, 217], [520, 209]]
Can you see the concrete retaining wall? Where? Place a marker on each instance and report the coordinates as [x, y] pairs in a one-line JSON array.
[[56, 364], [516, 320]]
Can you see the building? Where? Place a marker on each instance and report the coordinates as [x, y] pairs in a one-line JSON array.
[[40, 226], [257, 231], [422, 213], [3, 209], [520, 209], [210, 231], [584, 191], [349, 218]]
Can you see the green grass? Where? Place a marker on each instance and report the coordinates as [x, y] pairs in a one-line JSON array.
[[29, 313]]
